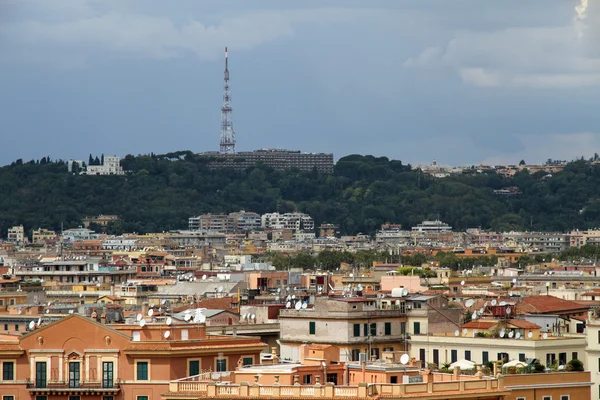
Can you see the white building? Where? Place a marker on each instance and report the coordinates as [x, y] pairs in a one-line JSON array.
[[436, 226], [119, 243], [78, 234], [70, 164], [296, 221], [111, 166], [16, 235]]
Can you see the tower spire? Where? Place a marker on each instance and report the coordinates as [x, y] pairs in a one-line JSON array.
[[227, 133]]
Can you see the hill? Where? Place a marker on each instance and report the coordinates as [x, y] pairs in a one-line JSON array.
[[160, 192]]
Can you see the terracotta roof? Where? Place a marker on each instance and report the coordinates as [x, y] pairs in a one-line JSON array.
[[523, 324], [221, 303], [165, 346], [547, 305], [479, 324]]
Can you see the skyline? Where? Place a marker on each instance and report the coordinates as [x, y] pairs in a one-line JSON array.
[[494, 84]]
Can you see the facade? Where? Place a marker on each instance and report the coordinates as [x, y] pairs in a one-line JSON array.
[[244, 221], [16, 235], [41, 235], [111, 166], [295, 221], [436, 226], [60, 272], [277, 159], [354, 325], [220, 223], [102, 220], [77, 358], [78, 234]]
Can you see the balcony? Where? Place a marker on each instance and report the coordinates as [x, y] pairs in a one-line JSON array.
[[86, 388]]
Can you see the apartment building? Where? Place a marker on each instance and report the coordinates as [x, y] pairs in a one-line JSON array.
[[353, 324], [244, 221], [274, 158], [110, 166], [59, 272], [41, 235], [221, 223], [78, 358], [295, 221], [16, 235]]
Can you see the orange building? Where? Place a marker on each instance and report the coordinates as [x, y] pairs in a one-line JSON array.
[[77, 358]]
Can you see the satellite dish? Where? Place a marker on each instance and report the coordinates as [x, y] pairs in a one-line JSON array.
[[142, 323], [518, 335], [202, 319], [404, 292], [485, 304], [288, 304], [139, 317], [278, 290], [514, 280], [469, 303], [465, 331], [304, 305], [530, 335], [547, 284], [293, 296], [203, 277], [456, 333], [277, 298], [169, 321], [298, 305], [150, 312], [167, 334], [474, 314], [163, 301], [31, 325], [502, 333], [462, 283], [359, 287], [47, 311], [404, 359], [187, 317], [494, 302], [220, 289], [502, 303], [39, 321], [511, 334], [80, 294], [253, 317], [70, 311], [545, 336], [508, 310], [481, 310]]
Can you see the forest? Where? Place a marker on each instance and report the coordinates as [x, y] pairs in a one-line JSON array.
[[160, 192]]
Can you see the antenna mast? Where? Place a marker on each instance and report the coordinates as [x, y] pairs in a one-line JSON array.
[[227, 133]]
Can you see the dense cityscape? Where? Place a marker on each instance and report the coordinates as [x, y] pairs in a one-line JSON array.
[[281, 273]]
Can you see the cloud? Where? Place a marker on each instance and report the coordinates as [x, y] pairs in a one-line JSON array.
[[542, 57], [538, 148]]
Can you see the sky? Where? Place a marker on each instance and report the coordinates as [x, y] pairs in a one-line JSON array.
[[462, 82]]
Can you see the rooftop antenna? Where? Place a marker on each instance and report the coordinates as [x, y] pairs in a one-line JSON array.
[[227, 133]]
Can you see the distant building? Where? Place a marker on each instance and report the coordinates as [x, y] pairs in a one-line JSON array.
[[77, 234], [329, 230], [111, 166], [221, 223], [41, 235], [245, 221], [436, 226], [71, 164], [296, 221], [102, 220], [16, 235], [274, 158]]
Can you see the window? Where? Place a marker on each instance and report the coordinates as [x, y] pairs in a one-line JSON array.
[[332, 378], [41, 398], [453, 356], [107, 374], [8, 371], [393, 379], [312, 327], [521, 398], [194, 367], [247, 361], [355, 354], [356, 330], [142, 371], [184, 334], [142, 398], [522, 357], [468, 355], [365, 329], [422, 357], [388, 328], [485, 357], [74, 398], [136, 336], [436, 356], [16, 327], [375, 353], [503, 357], [547, 398], [564, 397], [403, 328], [74, 374], [108, 397], [5, 327], [40, 374], [417, 328], [221, 365], [373, 331], [574, 356], [599, 336], [8, 397], [562, 358], [550, 359], [307, 380]]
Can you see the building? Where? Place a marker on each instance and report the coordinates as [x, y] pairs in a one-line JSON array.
[[78, 234], [274, 158], [295, 221], [41, 235], [329, 231], [102, 220], [73, 165], [219, 223], [79, 358], [436, 226], [353, 324], [244, 221], [111, 166], [16, 235]]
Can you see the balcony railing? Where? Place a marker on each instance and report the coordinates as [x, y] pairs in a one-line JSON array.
[[84, 388]]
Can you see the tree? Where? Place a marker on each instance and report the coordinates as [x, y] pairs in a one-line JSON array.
[[91, 160], [575, 365], [522, 162], [102, 159]]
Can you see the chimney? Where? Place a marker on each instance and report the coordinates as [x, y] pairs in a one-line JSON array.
[[145, 308]]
